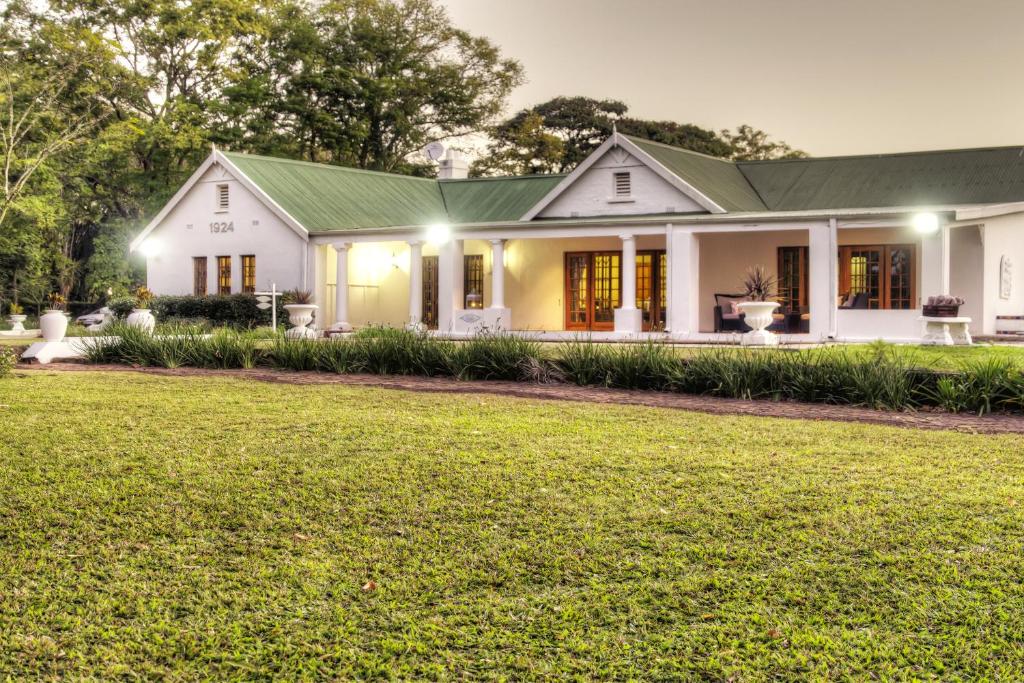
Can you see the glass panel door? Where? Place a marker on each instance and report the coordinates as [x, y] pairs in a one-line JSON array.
[[577, 294], [430, 292], [901, 287], [607, 289]]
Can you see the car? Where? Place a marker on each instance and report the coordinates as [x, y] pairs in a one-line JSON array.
[[95, 317]]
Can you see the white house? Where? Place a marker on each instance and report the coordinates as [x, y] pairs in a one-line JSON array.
[[640, 238]]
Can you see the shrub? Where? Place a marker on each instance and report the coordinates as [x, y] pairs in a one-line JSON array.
[[121, 305], [8, 359], [495, 355], [235, 310]]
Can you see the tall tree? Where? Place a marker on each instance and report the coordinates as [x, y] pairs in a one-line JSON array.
[[366, 83], [749, 144]]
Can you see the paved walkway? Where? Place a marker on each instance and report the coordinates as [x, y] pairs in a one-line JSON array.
[[989, 424]]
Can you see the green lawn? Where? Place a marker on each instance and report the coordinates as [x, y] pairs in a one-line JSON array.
[[189, 529]]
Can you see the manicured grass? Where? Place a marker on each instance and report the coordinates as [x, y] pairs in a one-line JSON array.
[[221, 529]]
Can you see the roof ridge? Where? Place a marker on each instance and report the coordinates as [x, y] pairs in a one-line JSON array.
[[884, 155], [675, 148], [331, 167], [529, 176]]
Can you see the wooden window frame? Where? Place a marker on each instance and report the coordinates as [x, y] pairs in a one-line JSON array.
[[200, 276], [659, 282], [472, 274], [885, 284], [803, 266], [223, 282], [248, 273]]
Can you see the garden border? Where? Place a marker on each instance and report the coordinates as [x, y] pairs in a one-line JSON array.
[[994, 423]]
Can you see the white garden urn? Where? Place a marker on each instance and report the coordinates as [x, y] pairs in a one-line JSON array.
[[17, 321], [758, 315], [54, 324], [141, 318], [300, 316]]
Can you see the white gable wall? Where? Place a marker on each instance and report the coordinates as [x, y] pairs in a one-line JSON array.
[[186, 232], [592, 193]]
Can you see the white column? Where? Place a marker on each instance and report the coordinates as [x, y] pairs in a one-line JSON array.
[[821, 281], [450, 283], [628, 318], [685, 284], [341, 286], [666, 296], [415, 282], [497, 274], [934, 266]]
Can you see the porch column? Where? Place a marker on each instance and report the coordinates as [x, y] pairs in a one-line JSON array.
[[628, 318], [497, 274], [684, 286], [415, 282], [934, 265], [341, 287], [498, 315], [821, 278], [449, 283]]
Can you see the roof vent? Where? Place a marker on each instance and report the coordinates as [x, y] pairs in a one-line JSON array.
[[622, 185]]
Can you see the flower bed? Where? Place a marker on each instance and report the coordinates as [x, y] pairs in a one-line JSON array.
[[882, 379]]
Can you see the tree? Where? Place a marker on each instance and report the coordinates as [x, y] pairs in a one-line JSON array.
[[519, 146], [750, 144], [366, 83]]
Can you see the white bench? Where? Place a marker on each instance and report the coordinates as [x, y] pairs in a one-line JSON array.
[[946, 331]]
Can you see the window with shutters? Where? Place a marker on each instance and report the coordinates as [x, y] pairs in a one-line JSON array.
[[622, 185], [223, 198]]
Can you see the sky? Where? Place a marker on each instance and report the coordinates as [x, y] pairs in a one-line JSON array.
[[830, 77]]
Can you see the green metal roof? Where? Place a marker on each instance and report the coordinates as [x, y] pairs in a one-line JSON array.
[[326, 198], [963, 176], [719, 179], [485, 200]]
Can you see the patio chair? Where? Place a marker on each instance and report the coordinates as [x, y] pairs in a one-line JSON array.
[[857, 301], [727, 318]]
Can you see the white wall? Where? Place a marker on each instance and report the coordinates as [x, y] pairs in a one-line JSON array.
[[1003, 235], [185, 232], [591, 194], [967, 273]]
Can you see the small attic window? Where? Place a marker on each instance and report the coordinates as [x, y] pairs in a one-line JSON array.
[[223, 198], [622, 186]]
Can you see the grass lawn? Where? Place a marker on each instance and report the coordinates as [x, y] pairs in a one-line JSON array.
[[214, 528]]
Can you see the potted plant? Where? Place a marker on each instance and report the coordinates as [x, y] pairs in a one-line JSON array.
[[17, 317], [942, 306], [54, 322], [141, 317], [758, 288], [300, 309]]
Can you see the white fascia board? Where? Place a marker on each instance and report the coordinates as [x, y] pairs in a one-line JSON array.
[[217, 158], [988, 210], [617, 140]]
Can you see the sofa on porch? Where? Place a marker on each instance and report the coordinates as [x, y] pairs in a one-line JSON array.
[[728, 318]]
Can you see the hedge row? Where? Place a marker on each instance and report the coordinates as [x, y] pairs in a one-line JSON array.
[[234, 310], [835, 376]]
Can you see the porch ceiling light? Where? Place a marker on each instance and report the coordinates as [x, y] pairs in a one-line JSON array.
[[926, 223], [438, 234], [150, 248]]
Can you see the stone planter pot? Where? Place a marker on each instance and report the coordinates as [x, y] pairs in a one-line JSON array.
[[758, 315], [54, 324], [300, 316], [141, 318], [17, 321]]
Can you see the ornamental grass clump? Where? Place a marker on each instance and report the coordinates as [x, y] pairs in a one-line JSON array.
[[647, 365], [583, 362], [496, 356]]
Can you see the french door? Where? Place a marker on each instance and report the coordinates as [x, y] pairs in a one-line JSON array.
[[593, 287], [430, 292], [651, 283], [885, 273]]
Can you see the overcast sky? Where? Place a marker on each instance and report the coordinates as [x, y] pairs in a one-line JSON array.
[[826, 76]]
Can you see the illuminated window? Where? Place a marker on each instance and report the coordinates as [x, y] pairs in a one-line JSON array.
[[793, 278], [249, 274], [883, 273], [473, 280], [223, 274]]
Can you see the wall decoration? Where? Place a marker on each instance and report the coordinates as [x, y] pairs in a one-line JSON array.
[[1005, 277]]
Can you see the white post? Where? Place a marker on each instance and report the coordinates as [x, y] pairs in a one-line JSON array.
[[341, 287], [497, 274], [821, 299], [628, 318], [666, 296], [685, 284], [415, 282], [450, 283], [934, 266]]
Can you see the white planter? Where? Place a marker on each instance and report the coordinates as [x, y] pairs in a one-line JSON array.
[[758, 315], [17, 322], [141, 318], [300, 316], [54, 325]]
